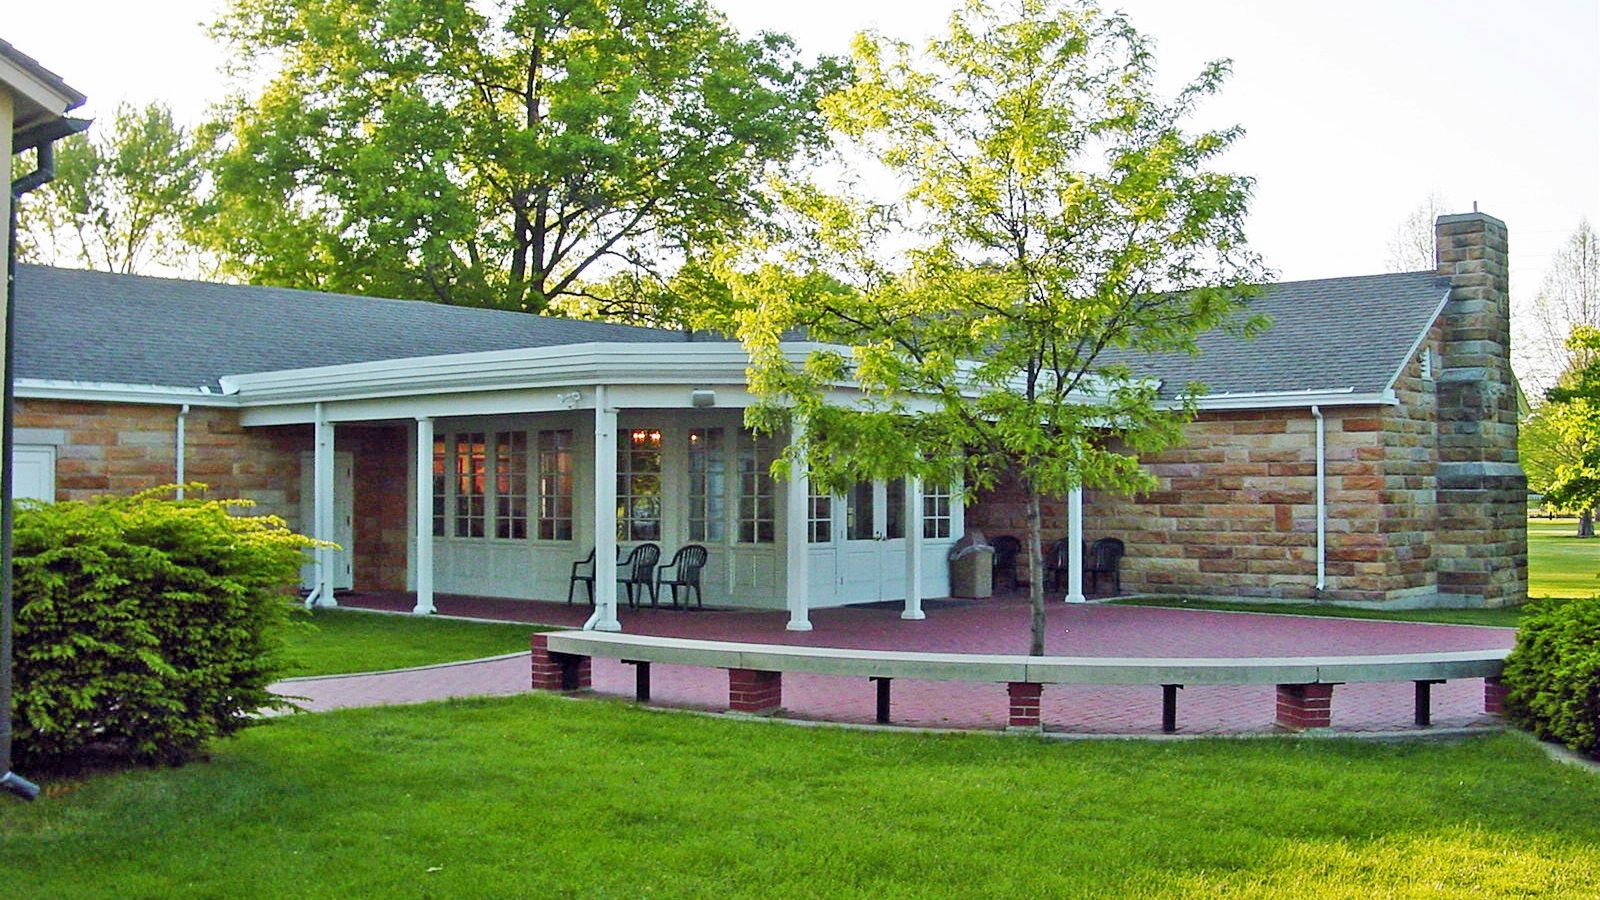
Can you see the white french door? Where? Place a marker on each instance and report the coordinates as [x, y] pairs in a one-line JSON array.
[[872, 561]]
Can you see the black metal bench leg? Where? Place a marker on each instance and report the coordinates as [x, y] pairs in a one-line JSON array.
[[1169, 707], [641, 679], [883, 699], [1424, 713]]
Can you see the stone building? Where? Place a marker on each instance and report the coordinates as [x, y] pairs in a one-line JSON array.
[[1362, 450]]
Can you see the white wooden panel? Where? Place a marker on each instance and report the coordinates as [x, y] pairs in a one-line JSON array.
[[33, 473]]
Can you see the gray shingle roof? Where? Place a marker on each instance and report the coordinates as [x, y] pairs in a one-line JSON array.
[[75, 325], [1331, 334]]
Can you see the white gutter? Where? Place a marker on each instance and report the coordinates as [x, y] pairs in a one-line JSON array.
[[112, 392], [1322, 504], [183, 416]]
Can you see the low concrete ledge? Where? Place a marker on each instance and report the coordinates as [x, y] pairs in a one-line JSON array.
[[976, 667]]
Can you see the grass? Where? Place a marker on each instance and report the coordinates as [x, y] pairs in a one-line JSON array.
[[540, 795], [335, 642], [1560, 566], [1505, 618]]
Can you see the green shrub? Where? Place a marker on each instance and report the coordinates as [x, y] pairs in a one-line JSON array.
[[145, 626], [1553, 675]]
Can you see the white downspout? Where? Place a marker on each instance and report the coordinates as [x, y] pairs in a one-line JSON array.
[[1322, 504], [183, 416]]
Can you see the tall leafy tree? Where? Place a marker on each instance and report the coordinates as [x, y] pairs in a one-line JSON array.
[[1568, 297], [498, 152], [120, 197], [1566, 443], [1053, 219]]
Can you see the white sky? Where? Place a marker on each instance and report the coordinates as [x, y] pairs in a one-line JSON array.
[[1355, 110]]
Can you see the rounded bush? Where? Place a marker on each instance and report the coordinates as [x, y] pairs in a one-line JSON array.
[[1553, 675], [145, 626]]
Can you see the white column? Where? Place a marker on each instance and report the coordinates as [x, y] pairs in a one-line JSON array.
[[322, 504], [1075, 546], [423, 555], [605, 516], [913, 520], [796, 535]]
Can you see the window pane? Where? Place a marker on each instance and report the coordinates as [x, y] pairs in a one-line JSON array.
[[821, 519], [707, 485], [511, 484], [858, 512], [936, 512], [639, 485], [440, 482], [894, 526], [757, 490], [471, 459], [555, 485]]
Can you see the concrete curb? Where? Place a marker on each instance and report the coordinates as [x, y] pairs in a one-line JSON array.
[[445, 665], [1559, 752]]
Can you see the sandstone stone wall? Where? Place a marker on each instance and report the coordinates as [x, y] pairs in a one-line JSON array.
[[1483, 537], [123, 448], [1234, 512]]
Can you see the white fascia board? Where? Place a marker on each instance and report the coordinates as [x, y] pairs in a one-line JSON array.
[[1421, 336], [29, 87], [107, 392], [687, 363], [1290, 399]]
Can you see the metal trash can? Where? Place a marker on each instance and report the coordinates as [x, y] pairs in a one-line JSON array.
[[972, 567]]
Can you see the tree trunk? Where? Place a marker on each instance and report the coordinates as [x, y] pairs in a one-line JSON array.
[[1036, 572], [1586, 524]]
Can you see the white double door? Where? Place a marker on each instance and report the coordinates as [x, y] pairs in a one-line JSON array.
[[872, 557]]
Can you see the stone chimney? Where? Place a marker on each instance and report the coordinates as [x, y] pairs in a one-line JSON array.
[[1482, 541]]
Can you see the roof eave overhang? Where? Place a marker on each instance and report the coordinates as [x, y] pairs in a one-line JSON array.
[[112, 392], [1297, 399]]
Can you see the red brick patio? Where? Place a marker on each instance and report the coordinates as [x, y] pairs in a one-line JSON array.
[[988, 627]]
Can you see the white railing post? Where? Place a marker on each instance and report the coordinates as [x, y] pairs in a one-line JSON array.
[[422, 558], [796, 534], [605, 516], [913, 518], [1075, 546], [322, 504]]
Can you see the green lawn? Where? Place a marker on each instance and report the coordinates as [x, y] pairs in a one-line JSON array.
[[1506, 618], [537, 795], [338, 641], [1559, 564]]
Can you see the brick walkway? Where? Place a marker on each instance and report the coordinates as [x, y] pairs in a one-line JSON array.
[[991, 627]]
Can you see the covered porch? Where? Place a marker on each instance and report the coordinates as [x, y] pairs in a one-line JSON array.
[[492, 474]]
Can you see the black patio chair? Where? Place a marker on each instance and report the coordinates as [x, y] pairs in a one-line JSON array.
[[1006, 551], [586, 579], [1105, 558], [685, 565], [1058, 563], [637, 571]]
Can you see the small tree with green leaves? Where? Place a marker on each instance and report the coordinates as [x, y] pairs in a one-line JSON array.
[[1572, 412], [1058, 220], [120, 199]]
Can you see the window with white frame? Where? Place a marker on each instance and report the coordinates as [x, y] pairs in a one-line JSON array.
[[441, 481], [472, 469], [819, 515], [935, 511], [708, 485], [555, 485], [511, 485], [757, 493], [639, 486]]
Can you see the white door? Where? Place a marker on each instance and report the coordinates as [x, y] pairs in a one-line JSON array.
[[33, 471], [344, 533], [872, 555]]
